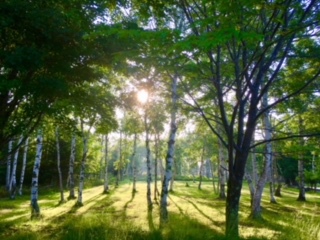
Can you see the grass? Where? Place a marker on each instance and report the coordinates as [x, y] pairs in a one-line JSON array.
[[194, 214]]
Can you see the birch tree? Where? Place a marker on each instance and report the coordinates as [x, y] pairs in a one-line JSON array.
[[35, 209], [170, 152], [58, 166], [13, 177], [24, 163], [71, 182], [247, 46], [85, 136], [8, 171], [266, 173]]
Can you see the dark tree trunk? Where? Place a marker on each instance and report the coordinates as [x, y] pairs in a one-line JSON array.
[[232, 207]]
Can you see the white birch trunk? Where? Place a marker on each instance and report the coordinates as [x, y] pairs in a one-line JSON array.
[[212, 175], [24, 163], [147, 141], [271, 180], [59, 167], [82, 171], [9, 165], [35, 209], [266, 174], [156, 147], [71, 169], [106, 182], [102, 159], [170, 155], [173, 170], [120, 160], [13, 178], [201, 168], [134, 167]]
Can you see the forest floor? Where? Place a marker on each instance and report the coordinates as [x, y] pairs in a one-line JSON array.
[[194, 214]]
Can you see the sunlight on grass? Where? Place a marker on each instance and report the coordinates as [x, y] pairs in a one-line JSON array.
[[193, 214]]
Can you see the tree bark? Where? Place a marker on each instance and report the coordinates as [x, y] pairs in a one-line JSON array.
[[156, 138], [106, 163], [8, 173], [118, 178], [71, 168], [147, 141], [232, 206], [13, 178], [134, 166], [213, 181], [302, 191], [170, 155], [59, 167], [173, 170], [35, 209], [82, 170], [222, 171], [102, 158], [24, 163], [278, 180], [201, 168], [266, 174]]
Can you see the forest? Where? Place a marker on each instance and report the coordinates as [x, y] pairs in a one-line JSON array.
[[189, 119]]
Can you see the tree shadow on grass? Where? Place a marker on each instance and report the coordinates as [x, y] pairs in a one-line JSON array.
[[130, 201], [184, 227]]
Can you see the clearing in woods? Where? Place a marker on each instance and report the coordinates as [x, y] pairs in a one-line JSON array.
[[198, 212]]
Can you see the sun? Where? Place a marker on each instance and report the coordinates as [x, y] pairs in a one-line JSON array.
[[143, 96]]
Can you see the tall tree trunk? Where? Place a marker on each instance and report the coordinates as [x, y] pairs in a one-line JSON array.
[[173, 170], [213, 181], [59, 167], [35, 209], [102, 158], [222, 171], [266, 174], [170, 154], [147, 141], [201, 168], [156, 141], [82, 170], [302, 191], [71, 168], [106, 163], [13, 178], [278, 180], [8, 173], [118, 178], [134, 166], [272, 181], [162, 171], [232, 206], [24, 163]]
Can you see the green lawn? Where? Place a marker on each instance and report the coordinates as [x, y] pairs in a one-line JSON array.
[[194, 214]]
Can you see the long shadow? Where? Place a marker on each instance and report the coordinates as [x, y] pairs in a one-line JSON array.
[[218, 223], [130, 201], [184, 227], [197, 208], [179, 208]]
